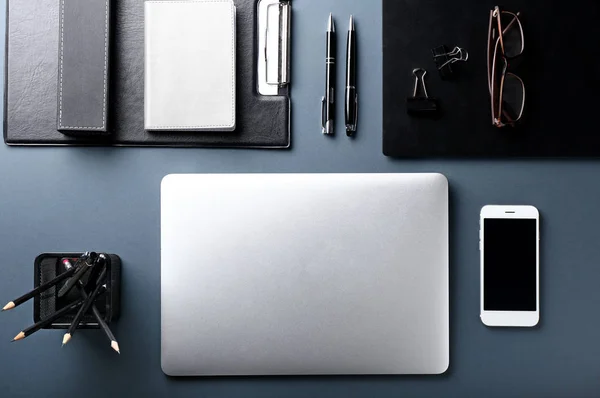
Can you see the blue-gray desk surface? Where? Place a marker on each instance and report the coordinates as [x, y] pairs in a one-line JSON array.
[[57, 199]]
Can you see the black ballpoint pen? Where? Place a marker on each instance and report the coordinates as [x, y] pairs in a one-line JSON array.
[[351, 95], [328, 101]]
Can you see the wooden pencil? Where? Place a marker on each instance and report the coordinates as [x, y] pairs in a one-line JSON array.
[[84, 308], [83, 264], [45, 322], [113, 341], [38, 290]]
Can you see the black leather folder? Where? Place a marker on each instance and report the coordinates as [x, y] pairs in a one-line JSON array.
[[31, 84], [560, 67]]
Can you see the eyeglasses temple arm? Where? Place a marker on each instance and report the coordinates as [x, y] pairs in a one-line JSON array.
[[515, 17]]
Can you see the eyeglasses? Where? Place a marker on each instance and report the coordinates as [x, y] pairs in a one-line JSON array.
[[507, 90]]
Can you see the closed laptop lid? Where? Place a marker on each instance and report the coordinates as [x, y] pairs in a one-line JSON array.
[[304, 274]]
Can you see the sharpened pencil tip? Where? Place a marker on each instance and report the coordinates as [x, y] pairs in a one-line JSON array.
[[66, 338], [9, 306], [115, 346], [18, 337]]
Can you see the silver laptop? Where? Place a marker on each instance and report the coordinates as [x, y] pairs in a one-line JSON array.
[[304, 274]]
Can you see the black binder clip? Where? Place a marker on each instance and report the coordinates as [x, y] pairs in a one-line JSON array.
[[421, 105], [444, 59]]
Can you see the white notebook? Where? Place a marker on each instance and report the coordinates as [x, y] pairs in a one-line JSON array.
[[189, 65]]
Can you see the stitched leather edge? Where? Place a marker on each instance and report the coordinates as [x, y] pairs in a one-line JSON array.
[[60, 96]]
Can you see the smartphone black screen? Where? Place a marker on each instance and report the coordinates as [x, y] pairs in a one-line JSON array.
[[509, 264]]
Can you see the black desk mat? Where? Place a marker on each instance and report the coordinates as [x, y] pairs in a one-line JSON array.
[[31, 83], [560, 68]]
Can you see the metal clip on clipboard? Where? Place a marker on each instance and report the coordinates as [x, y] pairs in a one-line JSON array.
[[274, 28]]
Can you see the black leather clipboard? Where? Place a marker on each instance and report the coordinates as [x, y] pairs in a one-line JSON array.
[[560, 68], [31, 84]]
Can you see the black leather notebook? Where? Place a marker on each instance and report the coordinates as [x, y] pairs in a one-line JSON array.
[[560, 67], [31, 84]]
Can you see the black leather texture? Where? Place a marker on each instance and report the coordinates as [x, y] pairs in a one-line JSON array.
[[560, 67], [31, 84], [83, 59]]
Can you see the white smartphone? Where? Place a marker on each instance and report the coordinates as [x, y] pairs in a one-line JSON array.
[[510, 265]]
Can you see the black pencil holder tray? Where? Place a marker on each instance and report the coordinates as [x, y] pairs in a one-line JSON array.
[[49, 265]]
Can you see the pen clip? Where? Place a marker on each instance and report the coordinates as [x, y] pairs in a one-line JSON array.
[[323, 121], [356, 111]]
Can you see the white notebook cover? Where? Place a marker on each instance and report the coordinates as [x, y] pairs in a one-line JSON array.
[[189, 65]]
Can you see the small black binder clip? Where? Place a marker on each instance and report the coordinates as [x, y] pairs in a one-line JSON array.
[[444, 60], [421, 105]]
